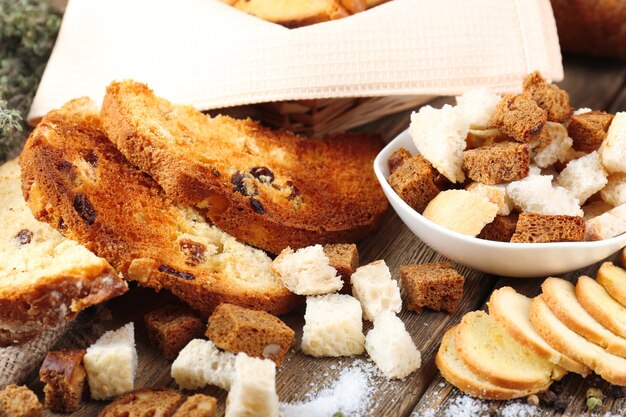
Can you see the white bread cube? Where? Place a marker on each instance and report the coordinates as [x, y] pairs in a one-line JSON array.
[[536, 194], [477, 106], [439, 135], [557, 148], [582, 110], [333, 326], [253, 392], [391, 348], [307, 271], [614, 192], [613, 149], [111, 363], [201, 363], [461, 211], [595, 208], [583, 177], [373, 286], [607, 225], [495, 194]]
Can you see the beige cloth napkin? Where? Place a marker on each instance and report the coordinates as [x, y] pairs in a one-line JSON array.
[[210, 55]]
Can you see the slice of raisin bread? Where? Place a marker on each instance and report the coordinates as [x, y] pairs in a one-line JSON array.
[[44, 277], [270, 189], [75, 179]]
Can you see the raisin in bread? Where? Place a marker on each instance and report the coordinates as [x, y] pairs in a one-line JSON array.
[[270, 189], [44, 277], [74, 178]]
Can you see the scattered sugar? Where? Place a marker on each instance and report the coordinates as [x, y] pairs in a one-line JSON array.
[[351, 394], [466, 406], [518, 409], [429, 413]]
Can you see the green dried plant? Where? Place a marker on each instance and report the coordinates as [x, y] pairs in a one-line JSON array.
[[28, 29]]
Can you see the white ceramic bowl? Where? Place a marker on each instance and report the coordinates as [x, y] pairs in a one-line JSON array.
[[526, 260]]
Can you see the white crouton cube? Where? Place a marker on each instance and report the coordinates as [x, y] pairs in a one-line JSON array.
[[607, 225], [253, 392], [373, 286], [613, 148], [333, 326], [477, 106], [580, 111], [111, 363], [536, 194], [307, 271], [439, 135], [461, 211], [556, 149], [595, 208], [583, 177], [615, 190], [391, 348], [495, 194], [201, 363]]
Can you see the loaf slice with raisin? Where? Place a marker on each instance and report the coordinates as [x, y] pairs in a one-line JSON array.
[[44, 277], [270, 189], [74, 178]]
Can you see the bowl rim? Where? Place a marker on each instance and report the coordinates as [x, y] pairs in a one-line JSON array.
[[381, 160]]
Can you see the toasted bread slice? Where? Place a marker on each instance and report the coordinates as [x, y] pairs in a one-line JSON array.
[[560, 296], [44, 277], [75, 179], [613, 279], [160, 401], [602, 307], [512, 310], [454, 370], [296, 13], [610, 367], [488, 351], [270, 189]]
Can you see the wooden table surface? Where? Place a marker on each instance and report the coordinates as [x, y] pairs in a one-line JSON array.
[[597, 84]]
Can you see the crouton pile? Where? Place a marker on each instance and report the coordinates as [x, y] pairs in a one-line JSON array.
[[517, 168]]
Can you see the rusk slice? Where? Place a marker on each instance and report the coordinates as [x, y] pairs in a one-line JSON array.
[[602, 307], [488, 351], [270, 189], [613, 279], [560, 296], [294, 13], [75, 179], [44, 277], [610, 367], [458, 374], [512, 310]]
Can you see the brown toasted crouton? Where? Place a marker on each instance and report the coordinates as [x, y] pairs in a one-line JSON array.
[[433, 285], [536, 228], [19, 402], [501, 162], [548, 96], [414, 181], [171, 327], [501, 229], [344, 257], [588, 130], [63, 374], [397, 158], [519, 117]]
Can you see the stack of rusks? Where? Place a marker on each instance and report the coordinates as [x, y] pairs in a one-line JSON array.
[[161, 194]]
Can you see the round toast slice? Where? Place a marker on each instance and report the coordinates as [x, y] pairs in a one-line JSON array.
[[270, 189], [560, 296], [610, 367], [512, 310], [74, 178], [490, 352], [601, 306], [458, 374], [613, 279]]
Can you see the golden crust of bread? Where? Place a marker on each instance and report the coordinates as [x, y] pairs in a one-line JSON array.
[[162, 402], [296, 13], [270, 189], [75, 179]]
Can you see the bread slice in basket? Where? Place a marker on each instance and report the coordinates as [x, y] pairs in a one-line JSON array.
[[270, 189], [559, 295], [76, 180], [490, 352], [44, 277], [454, 370], [610, 367], [512, 310]]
